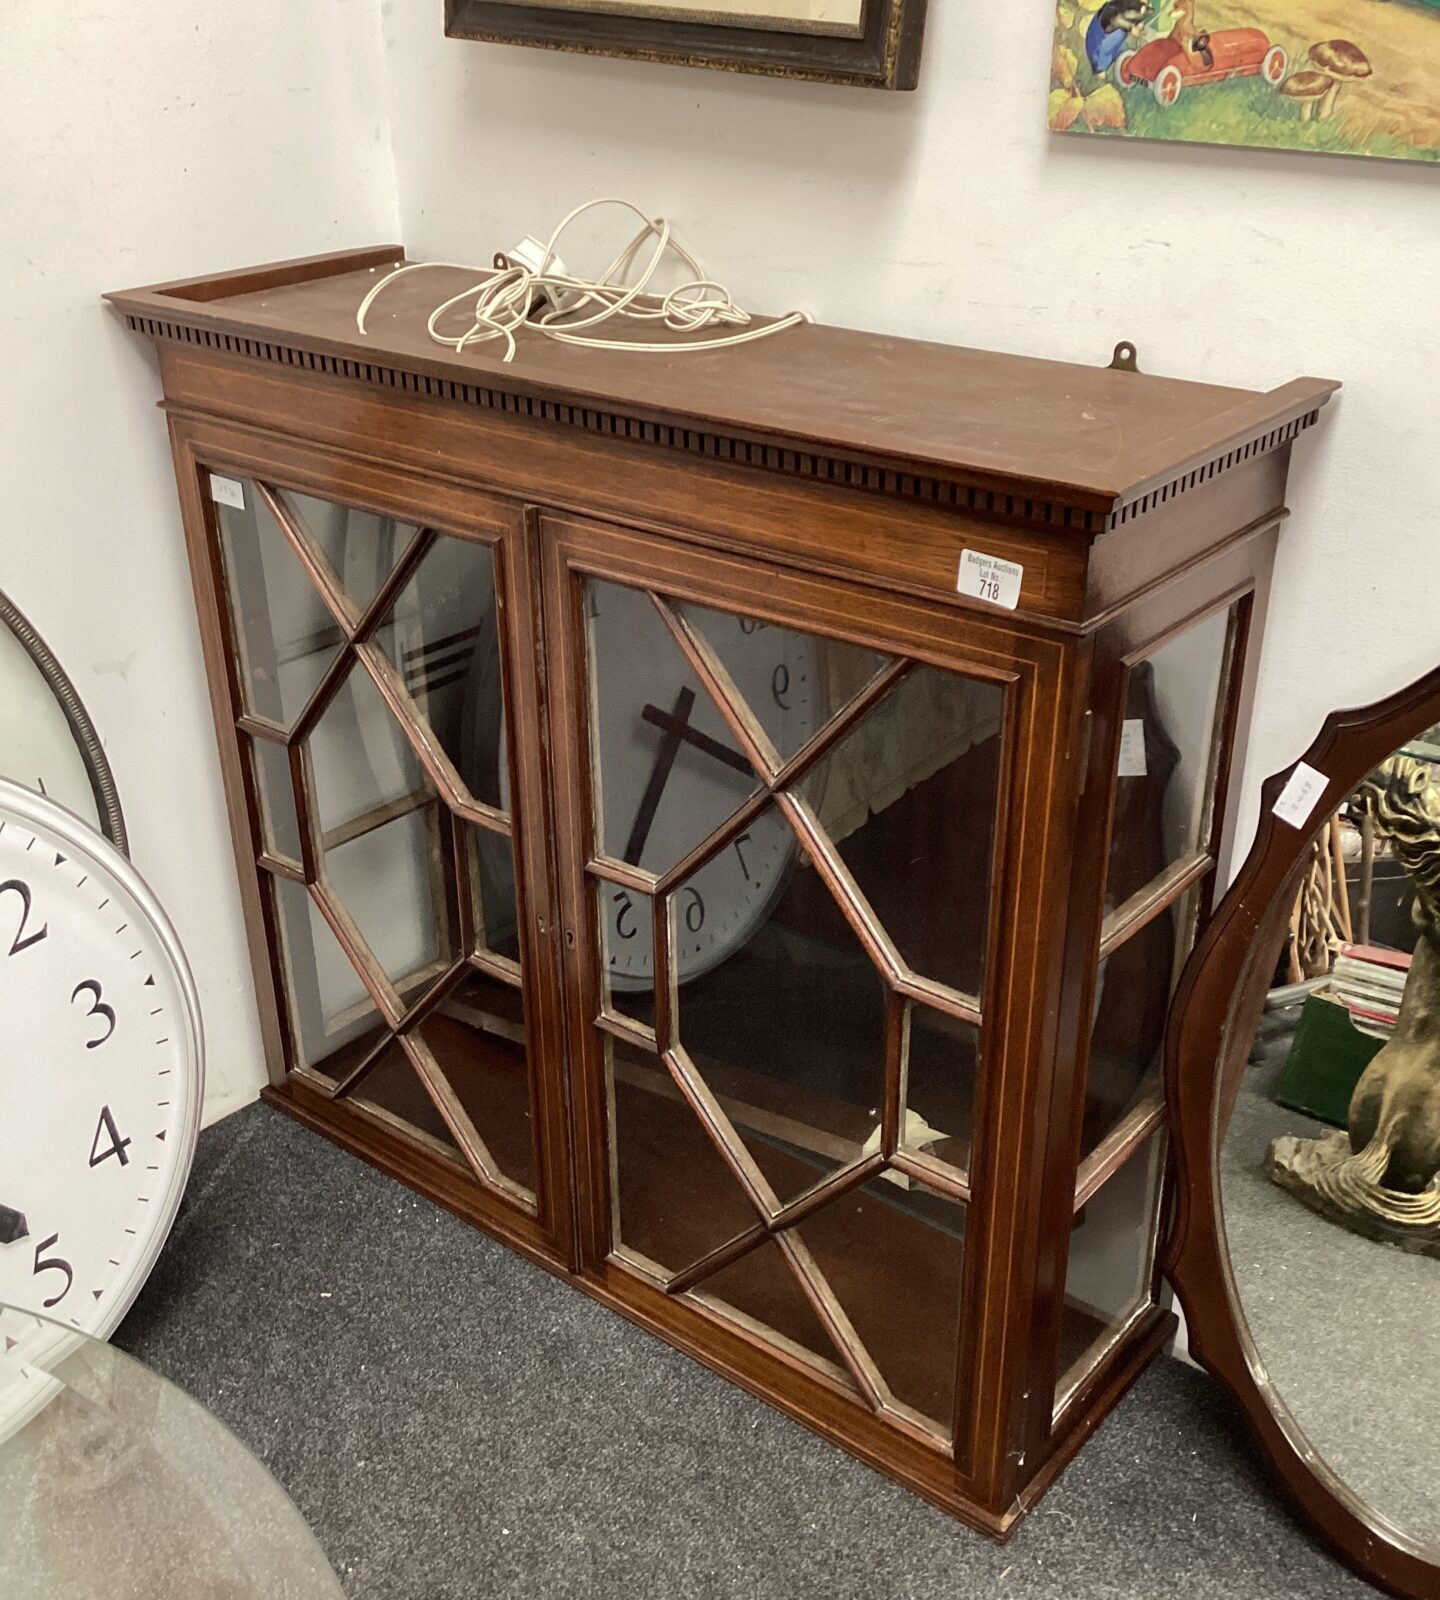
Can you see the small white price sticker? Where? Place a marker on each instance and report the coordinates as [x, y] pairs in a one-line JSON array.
[[1132, 748], [227, 491], [990, 578], [1300, 795]]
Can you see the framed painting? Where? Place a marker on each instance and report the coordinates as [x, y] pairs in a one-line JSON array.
[[1348, 77], [870, 43]]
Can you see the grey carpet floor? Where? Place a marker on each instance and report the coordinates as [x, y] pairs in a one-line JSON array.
[[1347, 1328], [457, 1424]]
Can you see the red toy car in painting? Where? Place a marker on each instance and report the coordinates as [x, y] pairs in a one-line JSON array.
[[1168, 67]]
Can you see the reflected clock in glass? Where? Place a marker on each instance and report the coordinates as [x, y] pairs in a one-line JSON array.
[[47, 741], [102, 1073], [673, 772]]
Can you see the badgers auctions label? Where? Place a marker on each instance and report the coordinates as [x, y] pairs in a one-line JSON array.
[[990, 578]]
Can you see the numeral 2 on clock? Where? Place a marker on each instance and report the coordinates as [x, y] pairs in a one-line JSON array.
[[22, 940]]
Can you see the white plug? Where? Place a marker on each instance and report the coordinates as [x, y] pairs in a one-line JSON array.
[[529, 255]]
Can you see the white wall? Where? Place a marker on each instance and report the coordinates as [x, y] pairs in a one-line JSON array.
[[952, 213], [149, 140], [143, 141]]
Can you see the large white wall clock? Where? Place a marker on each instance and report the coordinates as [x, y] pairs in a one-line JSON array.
[[101, 1069], [47, 741]]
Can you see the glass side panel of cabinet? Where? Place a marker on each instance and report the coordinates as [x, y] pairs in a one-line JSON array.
[[1111, 1262], [1164, 803], [1132, 1006], [1168, 750]]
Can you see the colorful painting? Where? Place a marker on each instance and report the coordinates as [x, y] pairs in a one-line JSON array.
[[1354, 77]]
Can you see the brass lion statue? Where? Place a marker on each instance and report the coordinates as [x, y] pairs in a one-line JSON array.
[[1381, 1177]]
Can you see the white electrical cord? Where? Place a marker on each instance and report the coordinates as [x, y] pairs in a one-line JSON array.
[[508, 298]]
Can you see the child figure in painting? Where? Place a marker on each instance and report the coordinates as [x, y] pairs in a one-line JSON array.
[[1184, 32], [1115, 28]]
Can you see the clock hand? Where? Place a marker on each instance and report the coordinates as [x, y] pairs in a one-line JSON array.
[[702, 741], [13, 1226], [659, 777]]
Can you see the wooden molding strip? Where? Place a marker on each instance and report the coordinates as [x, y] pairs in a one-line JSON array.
[[837, 469]]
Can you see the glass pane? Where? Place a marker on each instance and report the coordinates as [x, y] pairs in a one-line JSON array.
[[940, 1092], [627, 938], [333, 1021], [1112, 1252], [667, 768], [674, 1198], [792, 682], [909, 797], [284, 630], [360, 547], [497, 922], [781, 1011], [271, 766], [386, 842], [442, 637], [361, 764], [892, 1254], [763, 1289], [393, 1087], [395, 881], [1132, 1005], [477, 1035], [1166, 780]]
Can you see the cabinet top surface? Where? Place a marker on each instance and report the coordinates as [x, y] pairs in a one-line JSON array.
[[1089, 434]]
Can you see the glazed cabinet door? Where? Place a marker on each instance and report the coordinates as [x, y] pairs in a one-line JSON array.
[[783, 835], [372, 638]]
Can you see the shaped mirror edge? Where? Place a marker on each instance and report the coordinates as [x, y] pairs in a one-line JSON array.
[[1212, 1024]]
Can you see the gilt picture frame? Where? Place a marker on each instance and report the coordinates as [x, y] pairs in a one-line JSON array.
[[865, 43]]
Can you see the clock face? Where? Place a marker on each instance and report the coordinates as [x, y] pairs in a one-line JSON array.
[[101, 1076], [670, 773]]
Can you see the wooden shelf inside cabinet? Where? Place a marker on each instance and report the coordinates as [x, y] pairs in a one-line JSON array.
[[652, 852]]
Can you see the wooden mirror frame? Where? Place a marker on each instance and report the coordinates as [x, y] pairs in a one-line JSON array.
[[883, 53], [1217, 1006]]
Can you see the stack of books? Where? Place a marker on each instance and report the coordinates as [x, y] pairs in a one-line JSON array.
[[1369, 982]]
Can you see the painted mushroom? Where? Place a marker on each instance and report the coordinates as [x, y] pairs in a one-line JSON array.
[[1308, 88], [1341, 59]]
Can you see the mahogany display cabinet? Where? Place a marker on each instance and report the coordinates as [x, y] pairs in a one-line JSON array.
[[730, 824]]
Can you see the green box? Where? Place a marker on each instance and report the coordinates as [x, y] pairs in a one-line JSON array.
[[1325, 1062]]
